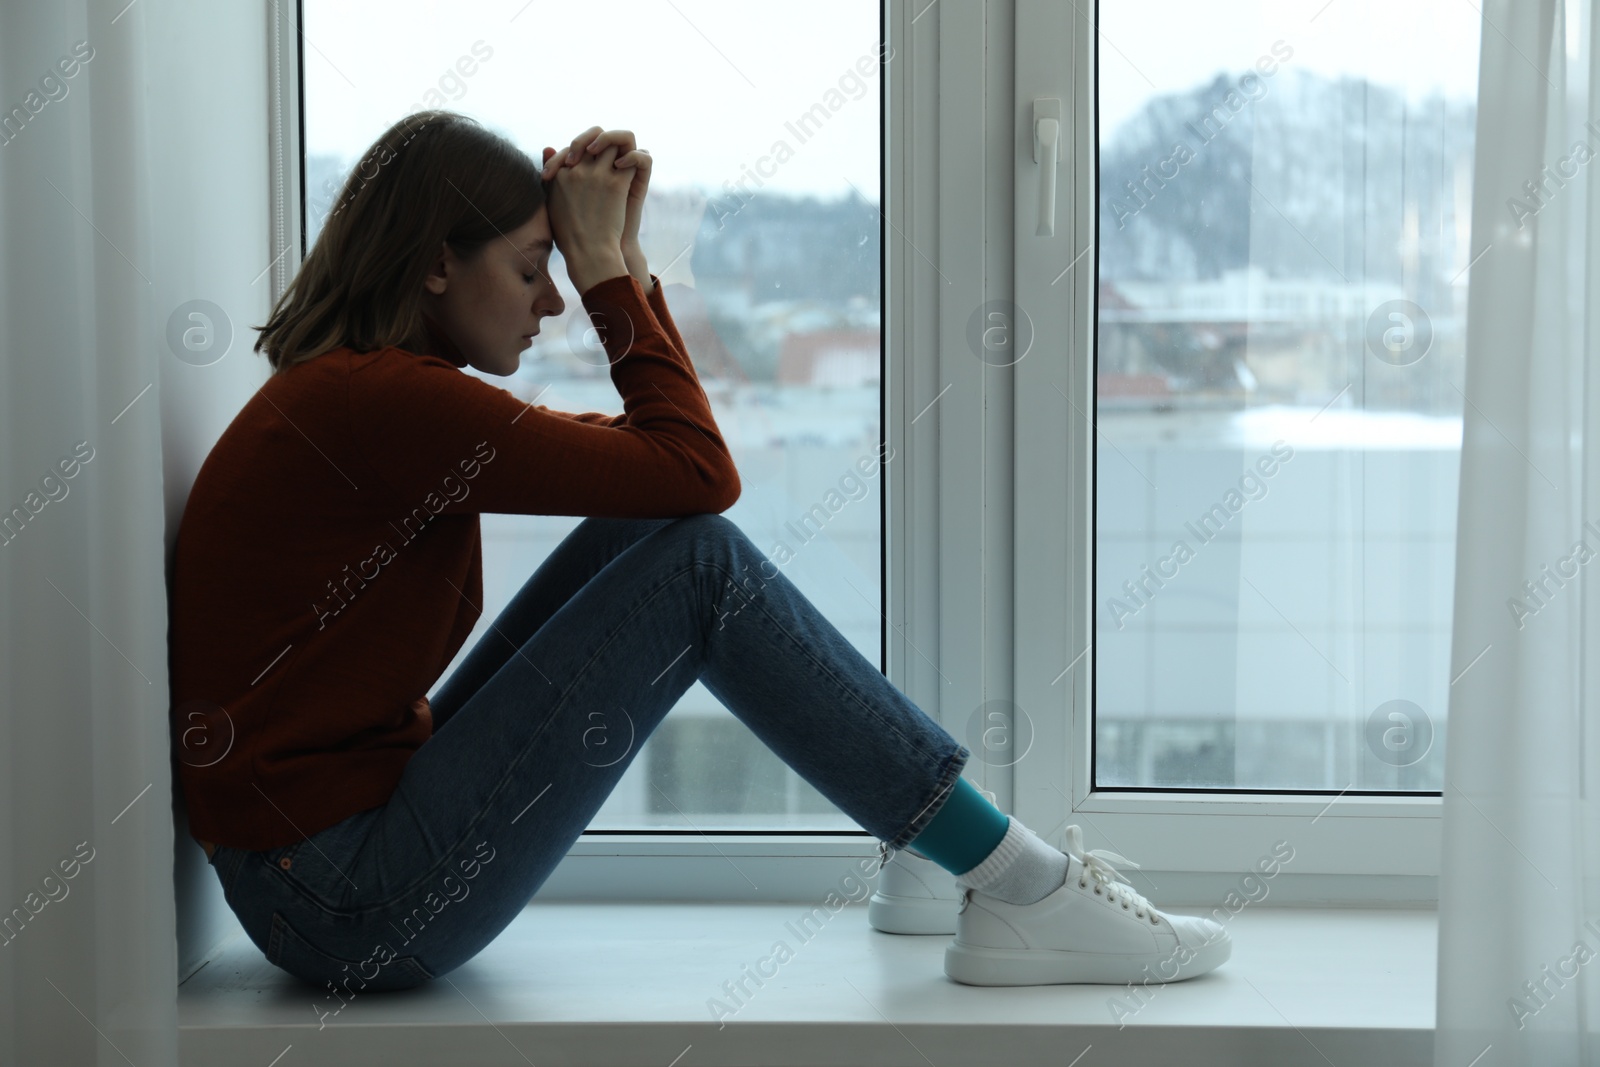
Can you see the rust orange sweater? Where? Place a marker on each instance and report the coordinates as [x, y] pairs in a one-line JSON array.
[[328, 566]]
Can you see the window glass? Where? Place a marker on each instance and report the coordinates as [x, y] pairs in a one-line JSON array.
[[763, 225], [1284, 201]]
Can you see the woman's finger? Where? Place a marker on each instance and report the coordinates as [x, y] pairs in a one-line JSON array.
[[623, 139], [573, 152], [552, 163], [570, 154]]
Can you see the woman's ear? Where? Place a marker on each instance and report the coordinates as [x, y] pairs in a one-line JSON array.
[[437, 279]]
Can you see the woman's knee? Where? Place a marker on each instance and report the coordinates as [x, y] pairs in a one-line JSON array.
[[628, 529], [708, 525], [712, 537]]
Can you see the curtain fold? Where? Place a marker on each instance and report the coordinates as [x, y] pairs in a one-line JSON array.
[[88, 957], [133, 183], [1519, 887]]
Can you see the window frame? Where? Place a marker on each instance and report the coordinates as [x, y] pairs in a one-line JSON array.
[[1333, 834], [987, 589]]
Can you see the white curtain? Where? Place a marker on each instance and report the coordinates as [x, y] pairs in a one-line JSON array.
[[133, 180], [1519, 891]]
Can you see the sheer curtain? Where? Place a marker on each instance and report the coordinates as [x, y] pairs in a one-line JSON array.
[[133, 181], [1519, 892]]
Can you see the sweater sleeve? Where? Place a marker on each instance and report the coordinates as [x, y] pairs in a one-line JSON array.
[[439, 439], [658, 305], [591, 418]]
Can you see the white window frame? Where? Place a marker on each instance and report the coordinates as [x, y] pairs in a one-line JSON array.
[[1340, 842], [988, 588]]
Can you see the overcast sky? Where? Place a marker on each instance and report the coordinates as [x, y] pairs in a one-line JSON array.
[[708, 85], [1167, 45], [1413, 45]]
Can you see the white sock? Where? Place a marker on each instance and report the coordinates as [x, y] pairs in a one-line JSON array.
[[1021, 870]]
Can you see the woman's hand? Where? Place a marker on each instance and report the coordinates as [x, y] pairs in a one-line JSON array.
[[588, 211], [588, 145]]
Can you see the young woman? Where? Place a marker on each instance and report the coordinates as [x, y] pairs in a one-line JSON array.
[[328, 569]]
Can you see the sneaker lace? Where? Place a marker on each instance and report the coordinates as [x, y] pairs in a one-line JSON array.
[[1098, 865]]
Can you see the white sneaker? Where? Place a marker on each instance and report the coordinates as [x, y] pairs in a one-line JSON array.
[[1093, 929], [915, 895]]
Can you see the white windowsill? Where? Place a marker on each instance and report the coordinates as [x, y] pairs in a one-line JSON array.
[[620, 983]]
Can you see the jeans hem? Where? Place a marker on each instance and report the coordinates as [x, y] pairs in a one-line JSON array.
[[953, 765]]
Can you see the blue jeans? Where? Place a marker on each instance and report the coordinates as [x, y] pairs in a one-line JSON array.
[[532, 733]]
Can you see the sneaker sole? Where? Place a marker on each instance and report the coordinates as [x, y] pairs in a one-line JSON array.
[[975, 965], [912, 915]]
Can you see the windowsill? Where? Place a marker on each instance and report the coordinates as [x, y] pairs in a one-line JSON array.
[[625, 983]]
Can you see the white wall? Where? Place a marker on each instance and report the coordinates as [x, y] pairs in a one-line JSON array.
[[209, 241]]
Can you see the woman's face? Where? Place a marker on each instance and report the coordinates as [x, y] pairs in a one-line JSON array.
[[490, 305]]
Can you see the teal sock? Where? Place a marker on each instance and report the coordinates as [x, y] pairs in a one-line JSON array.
[[964, 831]]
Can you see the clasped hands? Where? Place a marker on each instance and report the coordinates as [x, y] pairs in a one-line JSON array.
[[596, 190]]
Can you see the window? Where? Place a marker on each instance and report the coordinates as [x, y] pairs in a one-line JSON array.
[[1283, 218], [1161, 342], [763, 225], [1243, 189]]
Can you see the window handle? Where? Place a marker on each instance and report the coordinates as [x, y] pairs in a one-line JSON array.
[[1047, 153]]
